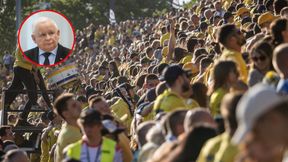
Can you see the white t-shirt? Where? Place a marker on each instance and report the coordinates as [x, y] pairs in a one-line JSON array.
[[93, 154]]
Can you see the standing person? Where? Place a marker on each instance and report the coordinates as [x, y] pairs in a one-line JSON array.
[[69, 109], [7, 60], [23, 76], [232, 39], [93, 146]]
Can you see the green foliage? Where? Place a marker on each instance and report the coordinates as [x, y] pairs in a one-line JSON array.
[[80, 12]]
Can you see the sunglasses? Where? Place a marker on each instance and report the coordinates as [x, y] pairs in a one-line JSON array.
[[261, 58]]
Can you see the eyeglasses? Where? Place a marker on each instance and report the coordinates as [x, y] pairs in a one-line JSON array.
[[261, 58]]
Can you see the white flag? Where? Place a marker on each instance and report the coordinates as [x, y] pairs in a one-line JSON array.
[[112, 18]]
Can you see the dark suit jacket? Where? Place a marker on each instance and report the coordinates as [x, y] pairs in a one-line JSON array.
[[33, 54]]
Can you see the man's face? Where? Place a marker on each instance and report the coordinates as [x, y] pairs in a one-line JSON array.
[[92, 130], [267, 139], [152, 83], [46, 36], [102, 107], [73, 109]]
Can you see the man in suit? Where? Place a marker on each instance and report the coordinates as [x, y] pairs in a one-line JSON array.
[[46, 35]]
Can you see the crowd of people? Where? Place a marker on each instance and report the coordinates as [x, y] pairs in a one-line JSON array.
[[205, 84]]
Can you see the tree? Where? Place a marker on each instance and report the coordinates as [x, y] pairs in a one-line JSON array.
[[80, 12]]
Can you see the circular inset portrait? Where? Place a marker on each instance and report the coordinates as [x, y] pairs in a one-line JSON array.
[[46, 38]]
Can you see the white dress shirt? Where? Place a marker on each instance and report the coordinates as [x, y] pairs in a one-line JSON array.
[[51, 57]]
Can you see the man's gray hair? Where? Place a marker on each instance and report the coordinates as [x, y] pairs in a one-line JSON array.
[[11, 155], [42, 20]]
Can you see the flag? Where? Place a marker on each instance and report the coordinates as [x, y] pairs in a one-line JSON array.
[[112, 18]]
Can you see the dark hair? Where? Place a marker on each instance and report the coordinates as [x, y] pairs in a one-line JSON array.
[[175, 118], [161, 67], [151, 77], [190, 149], [276, 30], [278, 5], [3, 129], [225, 32], [221, 72], [262, 47], [191, 43], [115, 70], [140, 80], [161, 87], [60, 104], [200, 93]]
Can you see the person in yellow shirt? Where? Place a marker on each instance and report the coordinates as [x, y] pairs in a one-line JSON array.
[[165, 35], [232, 39], [225, 75], [220, 147], [178, 91], [23, 76], [69, 109], [49, 137]]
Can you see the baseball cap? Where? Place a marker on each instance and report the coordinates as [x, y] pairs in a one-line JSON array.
[[255, 102], [241, 10], [266, 17], [90, 116]]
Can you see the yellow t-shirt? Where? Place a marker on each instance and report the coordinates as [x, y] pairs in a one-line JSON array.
[[186, 59], [68, 135], [121, 111], [227, 151], [209, 150], [164, 37], [215, 101], [20, 61], [238, 59], [46, 145], [169, 101]]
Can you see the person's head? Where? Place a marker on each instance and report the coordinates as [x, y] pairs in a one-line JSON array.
[[261, 56], [228, 17], [265, 20], [243, 12], [90, 122], [228, 111], [230, 36], [45, 34], [174, 123], [200, 93], [218, 6], [100, 104], [142, 131], [225, 74], [155, 135], [189, 149], [67, 107], [191, 44], [151, 81], [278, 5], [6, 133], [284, 12], [280, 60], [16, 155], [279, 31], [262, 120], [198, 116], [176, 78], [205, 63], [195, 19]]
